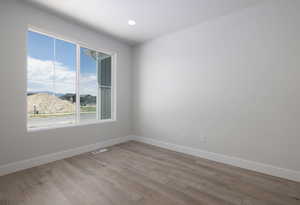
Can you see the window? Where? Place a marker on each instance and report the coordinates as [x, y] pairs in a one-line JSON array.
[[67, 83]]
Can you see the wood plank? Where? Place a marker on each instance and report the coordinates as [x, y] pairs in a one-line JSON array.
[[134, 173]]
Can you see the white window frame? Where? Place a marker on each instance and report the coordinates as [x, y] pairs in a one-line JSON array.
[[79, 45]]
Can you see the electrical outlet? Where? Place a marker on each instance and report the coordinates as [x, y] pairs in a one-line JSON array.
[[203, 139]]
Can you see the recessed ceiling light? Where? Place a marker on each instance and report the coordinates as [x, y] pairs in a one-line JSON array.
[[131, 22]]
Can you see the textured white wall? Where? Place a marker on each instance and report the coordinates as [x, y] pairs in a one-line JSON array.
[[15, 142], [233, 80]]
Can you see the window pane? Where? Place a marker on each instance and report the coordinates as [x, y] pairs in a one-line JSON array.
[[51, 81], [88, 86], [95, 85], [105, 85]]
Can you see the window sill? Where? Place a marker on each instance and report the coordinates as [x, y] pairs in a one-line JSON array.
[[51, 127]]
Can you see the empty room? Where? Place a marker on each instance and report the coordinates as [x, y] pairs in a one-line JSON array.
[[150, 102]]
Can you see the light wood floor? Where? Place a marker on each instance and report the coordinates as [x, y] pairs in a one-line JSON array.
[[138, 174]]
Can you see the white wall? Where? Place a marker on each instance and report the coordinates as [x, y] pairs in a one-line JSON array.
[[15, 142], [233, 80]]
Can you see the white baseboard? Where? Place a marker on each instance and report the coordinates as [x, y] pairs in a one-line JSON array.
[[238, 162], [246, 164], [33, 162]]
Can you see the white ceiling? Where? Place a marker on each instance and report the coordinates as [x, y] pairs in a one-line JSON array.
[[153, 17]]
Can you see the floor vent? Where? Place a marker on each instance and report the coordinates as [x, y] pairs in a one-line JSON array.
[[97, 151]]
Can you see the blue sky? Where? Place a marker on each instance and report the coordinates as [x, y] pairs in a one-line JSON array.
[[41, 61]]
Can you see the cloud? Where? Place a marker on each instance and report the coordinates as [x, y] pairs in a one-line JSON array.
[[42, 77], [88, 84]]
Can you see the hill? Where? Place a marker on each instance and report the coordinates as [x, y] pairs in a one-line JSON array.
[[48, 104]]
